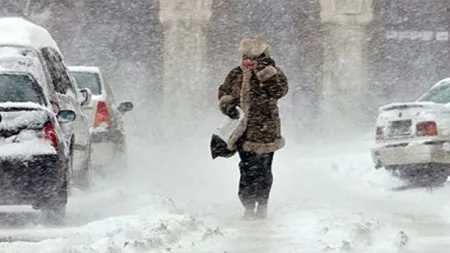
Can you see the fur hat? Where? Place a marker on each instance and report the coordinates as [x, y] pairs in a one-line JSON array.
[[254, 46]]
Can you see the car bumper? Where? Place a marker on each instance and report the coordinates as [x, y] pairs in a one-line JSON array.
[[106, 147], [411, 153], [105, 154], [25, 181]]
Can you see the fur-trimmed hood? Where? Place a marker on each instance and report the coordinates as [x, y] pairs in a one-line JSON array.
[[254, 46]]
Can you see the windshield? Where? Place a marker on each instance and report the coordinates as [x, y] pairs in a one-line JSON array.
[[439, 95], [19, 88], [88, 80]]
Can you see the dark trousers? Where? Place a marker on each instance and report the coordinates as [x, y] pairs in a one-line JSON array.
[[256, 178]]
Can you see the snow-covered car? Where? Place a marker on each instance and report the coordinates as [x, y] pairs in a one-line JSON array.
[[41, 55], [413, 139], [105, 117], [34, 158]]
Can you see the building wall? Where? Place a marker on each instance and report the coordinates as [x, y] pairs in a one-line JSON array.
[[409, 47], [293, 28]]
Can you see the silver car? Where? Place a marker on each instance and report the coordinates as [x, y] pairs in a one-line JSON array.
[[413, 139], [41, 56], [105, 117]]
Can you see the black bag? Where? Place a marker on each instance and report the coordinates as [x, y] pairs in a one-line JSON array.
[[218, 144], [219, 148]]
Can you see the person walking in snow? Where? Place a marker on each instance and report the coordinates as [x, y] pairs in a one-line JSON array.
[[255, 87]]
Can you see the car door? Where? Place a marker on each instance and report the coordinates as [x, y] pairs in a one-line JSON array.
[[71, 98], [59, 84], [81, 123]]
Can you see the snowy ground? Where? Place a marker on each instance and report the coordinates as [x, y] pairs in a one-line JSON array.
[[175, 199]]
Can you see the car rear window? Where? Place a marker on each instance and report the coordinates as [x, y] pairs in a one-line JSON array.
[[19, 88], [88, 80], [439, 95]]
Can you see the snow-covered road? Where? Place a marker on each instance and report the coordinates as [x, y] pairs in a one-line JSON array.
[[175, 199]]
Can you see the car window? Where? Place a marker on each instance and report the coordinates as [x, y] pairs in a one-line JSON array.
[[439, 95], [20, 88], [109, 91], [88, 80], [67, 79], [58, 73]]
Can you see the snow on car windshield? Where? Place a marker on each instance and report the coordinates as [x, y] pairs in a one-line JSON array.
[[18, 88], [88, 80]]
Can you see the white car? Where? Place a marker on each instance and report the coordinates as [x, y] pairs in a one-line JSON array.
[[22, 38], [413, 139], [104, 116]]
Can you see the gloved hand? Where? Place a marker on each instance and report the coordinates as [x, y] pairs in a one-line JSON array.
[[233, 113], [262, 62]]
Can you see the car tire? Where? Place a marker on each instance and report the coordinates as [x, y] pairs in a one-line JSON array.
[[439, 177], [429, 175], [122, 161], [55, 210], [70, 168], [121, 156], [83, 178]]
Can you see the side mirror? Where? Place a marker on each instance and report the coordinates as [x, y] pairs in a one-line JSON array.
[[66, 116], [86, 96], [125, 107]]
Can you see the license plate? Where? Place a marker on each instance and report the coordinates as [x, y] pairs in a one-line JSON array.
[[399, 128]]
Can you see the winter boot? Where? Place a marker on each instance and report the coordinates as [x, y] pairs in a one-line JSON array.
[[261, 211], [249, 212]]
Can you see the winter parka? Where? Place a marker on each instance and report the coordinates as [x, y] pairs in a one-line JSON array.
[[257, 94]]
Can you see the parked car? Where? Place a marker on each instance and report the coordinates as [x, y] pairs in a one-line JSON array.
[[413, 138], [23, 38], [105, 117], [34, 158]]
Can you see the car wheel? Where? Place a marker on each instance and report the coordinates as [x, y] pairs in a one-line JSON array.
[[439, 176], [121, 156], [55, 210], [83, 178], [429, 175], [123, 160], [70, 170]]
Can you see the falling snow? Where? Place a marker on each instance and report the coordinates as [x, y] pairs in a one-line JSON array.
[[344, 60]]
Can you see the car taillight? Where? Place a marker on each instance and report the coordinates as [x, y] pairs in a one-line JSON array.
[[102, 116], [50, 135], [379, 135], [426, 128]]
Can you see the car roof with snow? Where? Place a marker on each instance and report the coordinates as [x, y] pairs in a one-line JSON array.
[[12, 71], [445, 81], [19, 31], [24, 105], [24, 64], [89, 69]]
